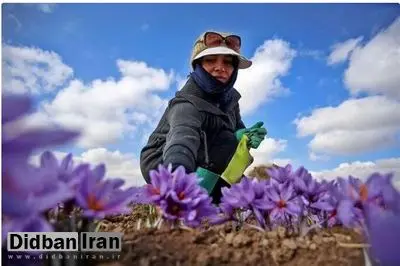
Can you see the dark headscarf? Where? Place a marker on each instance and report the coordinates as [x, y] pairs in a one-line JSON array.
[[218, 91]]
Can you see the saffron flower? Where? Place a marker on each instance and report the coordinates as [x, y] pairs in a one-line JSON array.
[[279, 174], [18, 144], [179, 196], [306, 186], [328, 202], [357, 195], [161, 182], [25, 210], [99, 197], [28, 191], [64, 170], [283, 203], [248, 194], [387, 196]]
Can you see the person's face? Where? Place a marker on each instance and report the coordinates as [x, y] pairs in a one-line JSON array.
[[219, 66]]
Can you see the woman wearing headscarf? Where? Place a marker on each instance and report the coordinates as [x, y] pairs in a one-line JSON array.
[[202, 125]]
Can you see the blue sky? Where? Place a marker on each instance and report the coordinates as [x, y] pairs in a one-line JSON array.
[[324, 78]]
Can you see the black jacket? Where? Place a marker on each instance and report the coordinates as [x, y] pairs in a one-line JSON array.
[[192, 132]]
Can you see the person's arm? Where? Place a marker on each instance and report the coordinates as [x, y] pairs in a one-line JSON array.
[[183, 138]]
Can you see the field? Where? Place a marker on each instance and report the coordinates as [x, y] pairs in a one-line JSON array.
[[229, 245]]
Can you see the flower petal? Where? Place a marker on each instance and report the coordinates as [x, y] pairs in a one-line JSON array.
[[287, 192], [13, 206], [60, 193], [345, 212], [14, 106], [259, 217], [293, 208], [272, 194], [323, 205], [99, 171], [48, 160], [41, 138]]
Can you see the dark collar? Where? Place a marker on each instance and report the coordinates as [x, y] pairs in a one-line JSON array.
[[202, 101]]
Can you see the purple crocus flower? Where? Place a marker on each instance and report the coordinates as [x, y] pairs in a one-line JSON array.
[[279, 174], [20, 207], [248, 194], [306, 186], [179, 196], [19, 179], [283, 203], [184, 187], [27, 191], [383, 232], [386, 196], [328, 202], [161, 182], [42, 197], [199, 211], [357, 195], [99, 197], [226, 213], [18, 144], [65, 170]]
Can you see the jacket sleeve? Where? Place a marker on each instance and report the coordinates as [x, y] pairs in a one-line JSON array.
[[239, 122], [183, 138]]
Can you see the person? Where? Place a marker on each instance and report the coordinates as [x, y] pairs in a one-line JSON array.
[[202, 124]]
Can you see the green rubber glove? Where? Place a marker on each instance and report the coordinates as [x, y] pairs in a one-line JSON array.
[[207, 179], [256, 127], [255, 142], [259, 131], [256, 135], [239, 133]]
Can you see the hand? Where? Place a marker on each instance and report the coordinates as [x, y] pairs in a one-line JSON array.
[[239, 133], [257, 135]]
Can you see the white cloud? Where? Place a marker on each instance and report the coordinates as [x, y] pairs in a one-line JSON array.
[[341, 51], [125, 166], [29, 69], [118, 164], [354, 126], [180, 82], [374, 68], [105, 110], [363, 169], [261, 82], [267, 151], [365, 124], [46, 8], [317, 157], [315, 54]]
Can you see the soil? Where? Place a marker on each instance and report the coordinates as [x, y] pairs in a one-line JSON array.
[[226, 245]]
